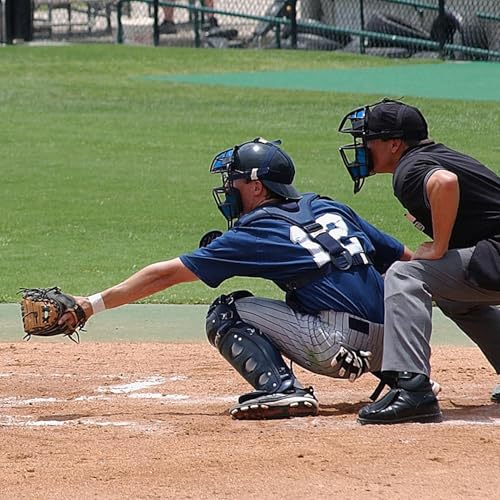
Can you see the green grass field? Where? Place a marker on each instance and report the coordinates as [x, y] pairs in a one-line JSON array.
[[103, 172]]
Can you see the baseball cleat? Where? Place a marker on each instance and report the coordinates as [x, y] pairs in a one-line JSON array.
[[495, 394], [298, 403]]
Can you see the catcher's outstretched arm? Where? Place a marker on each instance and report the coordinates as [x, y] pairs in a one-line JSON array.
[[149, 280]]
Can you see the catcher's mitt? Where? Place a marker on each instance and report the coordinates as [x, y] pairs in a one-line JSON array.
[[207, 238], [42, 308]]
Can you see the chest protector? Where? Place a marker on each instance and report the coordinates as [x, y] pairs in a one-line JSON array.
[[300, 214]]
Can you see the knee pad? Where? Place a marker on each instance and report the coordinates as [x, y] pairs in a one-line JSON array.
[[222, 314], [255, 358], [248, 351]]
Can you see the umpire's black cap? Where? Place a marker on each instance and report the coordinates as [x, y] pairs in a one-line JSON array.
[[395, 120]]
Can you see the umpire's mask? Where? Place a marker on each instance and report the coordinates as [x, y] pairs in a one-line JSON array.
[[253, 160], [386, 119], [356, 156]]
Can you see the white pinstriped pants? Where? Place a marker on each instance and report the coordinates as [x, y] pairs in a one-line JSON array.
[[311, 341]]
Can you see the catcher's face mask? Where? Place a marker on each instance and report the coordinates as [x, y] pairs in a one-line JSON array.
[[260, 160], [356, 156], [227, 197]]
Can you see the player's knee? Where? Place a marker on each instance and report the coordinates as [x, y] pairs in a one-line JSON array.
[[255, 358], [222, 315], [399, 270]]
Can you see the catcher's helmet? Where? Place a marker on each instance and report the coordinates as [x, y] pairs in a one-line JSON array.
[[253, 160], [259, 160]]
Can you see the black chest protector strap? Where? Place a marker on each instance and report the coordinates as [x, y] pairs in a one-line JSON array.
[[301, 214]]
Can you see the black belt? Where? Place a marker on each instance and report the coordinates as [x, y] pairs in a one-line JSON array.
[[359, 325]]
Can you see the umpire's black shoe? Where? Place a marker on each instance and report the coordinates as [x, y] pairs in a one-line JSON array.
[[411, 401]]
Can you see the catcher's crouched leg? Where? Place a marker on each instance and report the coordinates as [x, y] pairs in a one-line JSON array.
[[278, 393]]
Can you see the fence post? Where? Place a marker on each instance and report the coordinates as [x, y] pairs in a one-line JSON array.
[[119, 30], [362, 25], [291, 12], [3, 23], [197, 25], [156, 29], [443, 34]]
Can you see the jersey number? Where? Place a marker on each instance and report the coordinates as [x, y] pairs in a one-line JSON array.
[[336, 228]]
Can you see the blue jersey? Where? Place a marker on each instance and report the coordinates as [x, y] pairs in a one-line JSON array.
[[280, 251]]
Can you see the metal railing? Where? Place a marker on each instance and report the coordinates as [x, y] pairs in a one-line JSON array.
[[287, 19], [450, 29]]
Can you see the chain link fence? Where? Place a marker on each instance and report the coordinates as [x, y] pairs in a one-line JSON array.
[[453, 29]]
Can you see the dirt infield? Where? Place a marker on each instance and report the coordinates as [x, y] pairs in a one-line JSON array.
[[149, 420]]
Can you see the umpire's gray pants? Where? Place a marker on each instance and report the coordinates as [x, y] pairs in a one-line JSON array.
[[312, 341], [410, 288]]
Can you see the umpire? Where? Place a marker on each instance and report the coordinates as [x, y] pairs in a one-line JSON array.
[[455, 200]]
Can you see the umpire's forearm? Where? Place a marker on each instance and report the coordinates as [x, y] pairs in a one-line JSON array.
[[443, 191]]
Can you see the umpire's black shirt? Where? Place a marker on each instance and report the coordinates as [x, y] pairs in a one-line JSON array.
[[478, 214]]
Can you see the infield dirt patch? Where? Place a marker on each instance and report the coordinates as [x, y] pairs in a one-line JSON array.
[[150, 420]]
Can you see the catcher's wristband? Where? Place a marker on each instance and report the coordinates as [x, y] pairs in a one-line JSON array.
[[97, 303]]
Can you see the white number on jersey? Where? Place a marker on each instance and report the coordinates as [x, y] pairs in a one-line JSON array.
[[335, 226]]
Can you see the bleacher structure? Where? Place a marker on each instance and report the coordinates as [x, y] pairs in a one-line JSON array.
[[71, 18]]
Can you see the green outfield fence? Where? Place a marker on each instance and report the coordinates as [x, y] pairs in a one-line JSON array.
[[450, 29]]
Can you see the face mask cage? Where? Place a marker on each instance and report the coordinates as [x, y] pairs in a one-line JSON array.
[[354, 122], [228, 201], [227, 198], [226, 163], [356, 156], [223, 161]]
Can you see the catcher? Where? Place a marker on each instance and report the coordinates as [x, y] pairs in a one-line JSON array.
[[326, 258]]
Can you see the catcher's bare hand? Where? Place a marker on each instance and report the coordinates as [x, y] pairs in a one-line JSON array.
[[70, 318]]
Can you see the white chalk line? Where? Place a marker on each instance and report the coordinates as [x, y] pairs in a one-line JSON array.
[[17, 421], [127, 390], [133, 386], [332, 422], [131, 390], [473, 421], [61, 375]]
